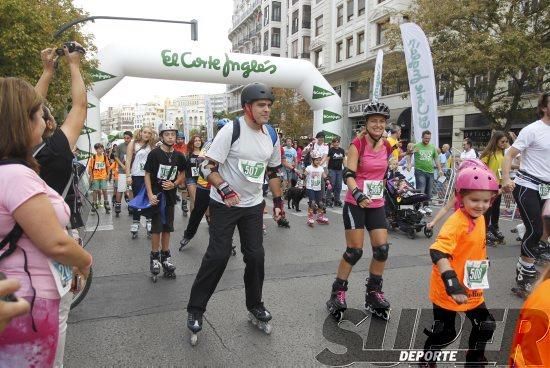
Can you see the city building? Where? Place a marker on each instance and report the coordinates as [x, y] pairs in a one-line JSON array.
[[341, 38]]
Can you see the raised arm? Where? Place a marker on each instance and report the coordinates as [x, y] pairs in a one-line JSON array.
[[48, 57]]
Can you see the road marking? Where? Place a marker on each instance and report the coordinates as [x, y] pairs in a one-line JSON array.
[[105, 221]]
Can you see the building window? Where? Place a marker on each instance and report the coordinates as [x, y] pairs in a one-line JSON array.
[[295, 17], [360, 43], [275, 37], [360, 7], [381, 32], [318, 25], [276, 14], [339, 46], [266, 40], [306, 17], [339, 15], [318, 58], [349, 47], [266, 15], [349, 7], [359, 90], [305, 47], [294, 49]]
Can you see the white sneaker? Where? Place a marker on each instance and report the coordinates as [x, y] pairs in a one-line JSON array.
[[428, 211], [422, 210]]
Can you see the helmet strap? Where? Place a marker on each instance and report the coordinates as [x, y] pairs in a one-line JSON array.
[[248, 113]]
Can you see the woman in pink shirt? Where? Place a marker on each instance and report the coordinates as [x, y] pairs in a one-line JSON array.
[[43, 256], [364, 209]]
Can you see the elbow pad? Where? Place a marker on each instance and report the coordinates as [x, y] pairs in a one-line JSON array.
[[348, 174], [436, 255], [273, 172], [206, 168]]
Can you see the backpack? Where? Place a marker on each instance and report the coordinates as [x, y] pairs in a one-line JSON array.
[[237, 132]]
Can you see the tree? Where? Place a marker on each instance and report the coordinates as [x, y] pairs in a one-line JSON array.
[[497, 51], [291, 113], [27, 28]]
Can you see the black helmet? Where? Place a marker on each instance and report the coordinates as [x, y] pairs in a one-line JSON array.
[[256, 91], [321, 134], [376, 108]]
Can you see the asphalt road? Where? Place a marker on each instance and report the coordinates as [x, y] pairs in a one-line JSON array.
[[127, 321]]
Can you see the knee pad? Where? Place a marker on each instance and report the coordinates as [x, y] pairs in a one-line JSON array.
[[441, 334], [484, 329], [352, 255], [380, 253]]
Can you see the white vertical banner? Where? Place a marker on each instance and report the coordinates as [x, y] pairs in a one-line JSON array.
[[421, 81], [377, 84], [186, 124], [209, 119]]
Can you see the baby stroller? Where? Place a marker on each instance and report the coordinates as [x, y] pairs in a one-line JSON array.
[[409, 220]]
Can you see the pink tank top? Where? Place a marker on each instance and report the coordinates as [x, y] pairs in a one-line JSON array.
[[372, 166]]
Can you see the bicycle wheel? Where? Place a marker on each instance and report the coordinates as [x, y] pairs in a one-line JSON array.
[[78, 297]]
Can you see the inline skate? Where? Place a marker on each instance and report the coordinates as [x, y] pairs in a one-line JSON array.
[[375, 302], [167, 265], [118, 208], [194, 324], [526, 277], [134, 228], [322, 219], [107, 207], [336, 305], [184, 242], [259, 316], [154, 265]]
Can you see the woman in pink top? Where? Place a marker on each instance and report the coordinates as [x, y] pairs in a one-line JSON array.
[[42, 258], [364, 209]]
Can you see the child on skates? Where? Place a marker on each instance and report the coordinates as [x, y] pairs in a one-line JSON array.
[[164, 171], [314, 173], [99, 168], [460, 271]]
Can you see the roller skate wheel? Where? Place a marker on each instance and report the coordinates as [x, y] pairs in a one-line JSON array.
[[194, 339], [266, 327]]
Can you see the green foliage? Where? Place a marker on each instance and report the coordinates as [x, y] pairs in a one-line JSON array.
[[27, 27], [291, 113], [501, 44]]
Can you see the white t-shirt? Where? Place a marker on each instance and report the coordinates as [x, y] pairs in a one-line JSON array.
[[469, 154], [322, 150], [243, 163], [139, 160], [314, 176], [534, 144]]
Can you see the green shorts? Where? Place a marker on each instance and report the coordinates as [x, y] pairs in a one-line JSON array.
[[99, 184]]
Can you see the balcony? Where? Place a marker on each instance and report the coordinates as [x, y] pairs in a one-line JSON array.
[[238, 19], [445, 98], [526, 89]]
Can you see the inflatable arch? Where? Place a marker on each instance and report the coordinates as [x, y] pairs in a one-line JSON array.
[[190, 64]]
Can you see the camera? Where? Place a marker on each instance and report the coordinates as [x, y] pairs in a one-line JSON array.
[[72, 47]]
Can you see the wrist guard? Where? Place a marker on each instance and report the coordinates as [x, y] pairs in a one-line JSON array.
[[225, 191], [359, 196], [452, 285]]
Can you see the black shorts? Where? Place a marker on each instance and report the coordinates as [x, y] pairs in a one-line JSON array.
[[356, 217], [158, 227]]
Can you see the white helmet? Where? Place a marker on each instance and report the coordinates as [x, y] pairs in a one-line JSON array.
[[167, 126], [315, 155]]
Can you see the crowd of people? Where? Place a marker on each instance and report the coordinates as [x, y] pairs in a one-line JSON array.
[[224, 180]]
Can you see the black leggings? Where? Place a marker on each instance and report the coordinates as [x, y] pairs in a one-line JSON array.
[[444, 332], [493, 214], [202, 200], [530, 208]]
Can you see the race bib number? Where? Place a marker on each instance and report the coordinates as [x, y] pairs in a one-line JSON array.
[[141, 166], [544, 191], [316, 182], [425, 155], [63, 276], [476, 275], [194, 171], [252, 170], [164, 172], [441, 179], [374, 189], [99, 165]]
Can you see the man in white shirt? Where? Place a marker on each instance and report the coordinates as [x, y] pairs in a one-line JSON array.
[[531, 189], [469, 152], [236, 167]]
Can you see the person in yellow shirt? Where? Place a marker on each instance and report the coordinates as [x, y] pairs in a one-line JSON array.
[[460, 270], [493, 156], [98, 167], [531, 342], [395, 142]]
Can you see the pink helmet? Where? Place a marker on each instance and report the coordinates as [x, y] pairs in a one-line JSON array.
[[476, 178], [472, 162]]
